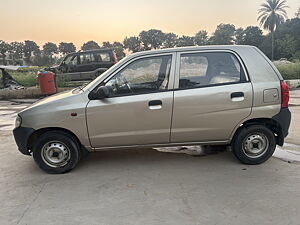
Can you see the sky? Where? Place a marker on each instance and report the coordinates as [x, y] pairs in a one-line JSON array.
[[79, 21]]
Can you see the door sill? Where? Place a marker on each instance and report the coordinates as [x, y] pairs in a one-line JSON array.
[[161, 145]]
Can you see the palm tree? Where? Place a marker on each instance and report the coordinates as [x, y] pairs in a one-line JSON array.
[[271, 14]]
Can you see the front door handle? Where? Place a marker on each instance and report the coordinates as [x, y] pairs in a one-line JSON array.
[[237, 96], [155, 104]]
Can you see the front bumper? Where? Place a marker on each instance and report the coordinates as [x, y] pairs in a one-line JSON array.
[[22, 135]]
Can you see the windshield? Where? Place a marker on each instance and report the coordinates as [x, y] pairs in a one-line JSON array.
[[69, 59], [89, 85]]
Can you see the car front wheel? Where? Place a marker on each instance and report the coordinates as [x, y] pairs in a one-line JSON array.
[[56, 152], [254, 144]]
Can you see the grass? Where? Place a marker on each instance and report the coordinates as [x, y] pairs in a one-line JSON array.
[[27, 79]]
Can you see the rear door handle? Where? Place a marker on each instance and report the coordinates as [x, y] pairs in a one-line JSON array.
[[155, 104], [237, 96]]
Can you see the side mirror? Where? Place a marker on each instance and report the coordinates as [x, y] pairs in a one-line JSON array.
[[100, 93]]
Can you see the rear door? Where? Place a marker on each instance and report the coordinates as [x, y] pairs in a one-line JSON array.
[[212, 96], [85, 62]]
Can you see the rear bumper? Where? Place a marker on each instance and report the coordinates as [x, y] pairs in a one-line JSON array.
[[22, 135], [284, 119]]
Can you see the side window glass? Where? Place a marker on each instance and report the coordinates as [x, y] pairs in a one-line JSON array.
[[68, 60], [105, 57], [101, 57], [85, 58], [203, 69], [141, 76], [193, 70], [74, 61]]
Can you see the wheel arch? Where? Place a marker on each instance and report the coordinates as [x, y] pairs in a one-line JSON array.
[[37, 133], [270, 123]]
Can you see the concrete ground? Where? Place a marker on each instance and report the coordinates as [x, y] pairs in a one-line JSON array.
[[149, 187]]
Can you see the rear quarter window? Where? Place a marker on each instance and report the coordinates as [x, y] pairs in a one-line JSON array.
[[205, 69], [102, 57]]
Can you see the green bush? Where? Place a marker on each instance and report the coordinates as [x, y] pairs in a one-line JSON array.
[[289, 71], [27, 79], [61, 80]]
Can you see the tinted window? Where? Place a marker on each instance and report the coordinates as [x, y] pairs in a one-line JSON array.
[[101, 57], [74, 61], [86, 58], [202, 69], [141, 76]]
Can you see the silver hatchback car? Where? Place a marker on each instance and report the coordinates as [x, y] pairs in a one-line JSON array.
[[212, 95]]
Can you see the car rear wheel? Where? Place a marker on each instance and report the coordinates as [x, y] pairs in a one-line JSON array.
[[254, 144], [56, 152]]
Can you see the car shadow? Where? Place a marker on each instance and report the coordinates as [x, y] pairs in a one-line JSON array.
[[151, 157]]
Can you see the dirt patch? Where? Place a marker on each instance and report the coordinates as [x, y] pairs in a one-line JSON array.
[[32, 92]]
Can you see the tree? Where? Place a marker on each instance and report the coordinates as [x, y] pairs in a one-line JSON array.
[[90, 45], [288, 34], [132, 43], [239, 36], [250, 36], [107, 44], [119, 50], [185, 41], [42, 60], [66, 48], [297, 14], [287, 47], [4, 48], [170, 40], [117, 44], [152, 39], [17, 50], [271, 14], [253, 36], [201, 38], [223, 35], [30, 47], [49, 49]]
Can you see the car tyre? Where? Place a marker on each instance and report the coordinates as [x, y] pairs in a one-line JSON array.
[[56, 152], [254, 144]]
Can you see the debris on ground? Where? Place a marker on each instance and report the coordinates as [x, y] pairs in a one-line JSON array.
[[194, 150], [8, 82], [289, 153]]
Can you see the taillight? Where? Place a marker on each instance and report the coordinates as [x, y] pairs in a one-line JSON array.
[[285, 95], [115, 58]]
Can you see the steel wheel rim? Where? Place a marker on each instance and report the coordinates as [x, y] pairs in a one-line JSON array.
[[255, 145], [55, 154]]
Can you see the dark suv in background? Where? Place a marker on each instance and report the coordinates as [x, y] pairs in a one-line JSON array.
[[85, 65]]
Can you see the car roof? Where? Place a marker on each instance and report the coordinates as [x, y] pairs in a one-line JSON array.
[[96, 50], [93, 50], [234, 48]]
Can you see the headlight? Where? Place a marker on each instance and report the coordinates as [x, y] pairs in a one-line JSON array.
[[18, 121]]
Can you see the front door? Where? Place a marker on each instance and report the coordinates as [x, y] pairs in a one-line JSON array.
[[213, 96], [139, 107]]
